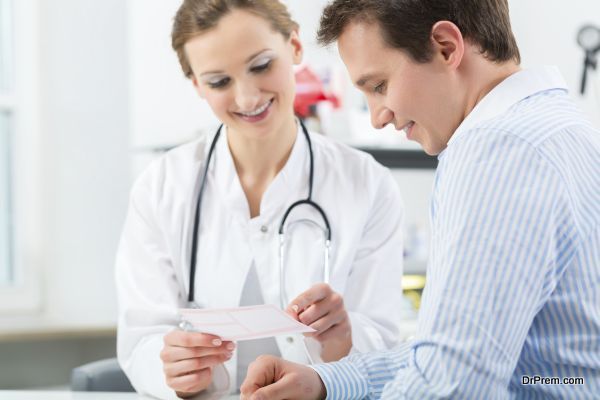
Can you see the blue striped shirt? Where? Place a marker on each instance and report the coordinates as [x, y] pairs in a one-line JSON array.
[[513, 281]]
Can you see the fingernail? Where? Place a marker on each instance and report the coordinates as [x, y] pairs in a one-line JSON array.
[[229, 355], [216, 342], [230, 346], [295, 308]]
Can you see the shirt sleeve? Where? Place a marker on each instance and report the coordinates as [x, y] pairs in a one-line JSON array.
[[148, 292], [500, 220], [376, 273]]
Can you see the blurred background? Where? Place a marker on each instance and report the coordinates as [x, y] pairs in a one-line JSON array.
[[90, 91]]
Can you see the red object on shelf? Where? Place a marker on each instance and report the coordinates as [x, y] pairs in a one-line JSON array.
[[309, 92]]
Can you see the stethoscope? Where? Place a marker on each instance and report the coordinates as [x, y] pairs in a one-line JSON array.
[[308, 201]]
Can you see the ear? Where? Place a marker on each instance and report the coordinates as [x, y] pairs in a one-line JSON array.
[[297, 48], [199, 89], [448, 43]]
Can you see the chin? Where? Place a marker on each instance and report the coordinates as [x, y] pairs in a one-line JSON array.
[[430, 149], [259, 131], [430, 152]]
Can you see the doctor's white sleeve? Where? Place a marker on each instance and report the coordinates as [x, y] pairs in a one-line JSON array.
[[373, 295], [148, 292]]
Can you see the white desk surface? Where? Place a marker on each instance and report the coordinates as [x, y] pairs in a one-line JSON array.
[[66, 395]]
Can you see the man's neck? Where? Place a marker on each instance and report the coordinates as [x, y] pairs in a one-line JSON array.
[[484, 76]]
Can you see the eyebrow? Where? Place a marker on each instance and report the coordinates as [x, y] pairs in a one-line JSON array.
[[247, 61], [364, 79]]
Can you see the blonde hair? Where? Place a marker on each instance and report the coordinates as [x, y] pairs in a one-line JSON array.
[[195, 17]]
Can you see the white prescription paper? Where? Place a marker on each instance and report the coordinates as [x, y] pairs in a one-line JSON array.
[[243, 323]]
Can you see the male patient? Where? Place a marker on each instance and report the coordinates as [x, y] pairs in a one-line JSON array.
[[513, 283]]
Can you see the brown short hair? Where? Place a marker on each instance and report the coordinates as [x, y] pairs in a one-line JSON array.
[[195, 17], [407, 24]]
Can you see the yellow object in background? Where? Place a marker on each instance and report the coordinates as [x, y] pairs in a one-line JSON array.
[[412, 287]]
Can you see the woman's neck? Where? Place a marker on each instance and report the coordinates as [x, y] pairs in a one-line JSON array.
[[257, 162]]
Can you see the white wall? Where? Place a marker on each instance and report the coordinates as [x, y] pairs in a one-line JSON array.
[[85, 159], [85, 115], [546, 32], [165, 109]]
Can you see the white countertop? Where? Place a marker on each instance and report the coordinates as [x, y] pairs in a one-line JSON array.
[[66, 395]]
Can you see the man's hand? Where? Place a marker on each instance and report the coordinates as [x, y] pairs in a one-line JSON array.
[[188, 359], [323, 310], [273, 378]]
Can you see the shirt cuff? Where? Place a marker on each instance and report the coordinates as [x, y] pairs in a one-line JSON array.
[[342, 380]]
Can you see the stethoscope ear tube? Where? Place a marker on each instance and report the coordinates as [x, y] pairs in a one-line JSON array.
[[196, 227]]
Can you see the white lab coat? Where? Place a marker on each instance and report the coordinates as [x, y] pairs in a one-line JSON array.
[[358, 195]]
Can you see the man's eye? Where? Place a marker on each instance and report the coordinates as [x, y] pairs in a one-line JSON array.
[[219, 84], [380, 88], [261, 67]]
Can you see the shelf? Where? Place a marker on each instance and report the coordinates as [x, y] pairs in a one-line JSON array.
[[400, 158], [45, 330]]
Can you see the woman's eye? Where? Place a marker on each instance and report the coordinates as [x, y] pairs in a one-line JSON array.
[[219, 84], [261, 67], [380, 88]]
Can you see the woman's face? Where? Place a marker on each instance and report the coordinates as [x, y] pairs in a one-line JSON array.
[[244, 70]]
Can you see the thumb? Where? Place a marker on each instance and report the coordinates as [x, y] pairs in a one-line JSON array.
[[275, 391], [290, 386]]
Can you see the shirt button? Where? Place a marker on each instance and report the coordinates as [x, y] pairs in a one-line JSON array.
[[290, 339], [264, 229]]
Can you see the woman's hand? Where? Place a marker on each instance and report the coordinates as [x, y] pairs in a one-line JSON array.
[[323, 310], [188, 359]]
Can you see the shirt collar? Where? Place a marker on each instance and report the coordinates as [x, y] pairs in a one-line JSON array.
[[510, 91]]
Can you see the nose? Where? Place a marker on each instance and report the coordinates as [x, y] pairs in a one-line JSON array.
[[247, 96], [381, 117]]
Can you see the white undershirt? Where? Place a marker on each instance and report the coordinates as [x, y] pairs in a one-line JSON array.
[[249, 350]]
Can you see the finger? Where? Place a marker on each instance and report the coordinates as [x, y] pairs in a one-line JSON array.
[[315, 294], [185, 367], [175, 353], [313, 313], [193, 382], [261, 372], [325, 323], [288, 387], [320, 329], [192, 339], [291, 311], [339, 331], [333, 304]]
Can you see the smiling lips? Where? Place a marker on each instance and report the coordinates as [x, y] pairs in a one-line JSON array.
[[406, 128], [256, 115]]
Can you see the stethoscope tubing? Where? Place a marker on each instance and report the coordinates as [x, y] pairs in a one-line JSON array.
[[307, 201]]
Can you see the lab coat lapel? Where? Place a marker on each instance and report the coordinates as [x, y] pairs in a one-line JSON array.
[[232, 258], [227, 181]]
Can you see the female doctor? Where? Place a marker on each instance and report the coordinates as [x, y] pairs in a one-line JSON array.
[[216, 205]]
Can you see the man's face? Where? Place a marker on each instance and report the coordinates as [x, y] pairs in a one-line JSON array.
[[422, 99]]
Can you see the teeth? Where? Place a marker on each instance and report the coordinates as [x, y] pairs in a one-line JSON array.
[[406, 127], [257, 111]]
